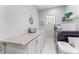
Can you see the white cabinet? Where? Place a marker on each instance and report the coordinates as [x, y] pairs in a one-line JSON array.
[[40, 42], [33, 47], [16, 49], [43, 40], [2, 48]]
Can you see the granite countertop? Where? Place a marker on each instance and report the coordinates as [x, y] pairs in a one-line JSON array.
[[22, 39]]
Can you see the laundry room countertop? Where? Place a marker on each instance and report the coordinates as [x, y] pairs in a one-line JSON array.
[[22, 39]]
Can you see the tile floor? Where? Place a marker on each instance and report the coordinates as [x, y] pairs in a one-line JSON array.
[[49, 47]]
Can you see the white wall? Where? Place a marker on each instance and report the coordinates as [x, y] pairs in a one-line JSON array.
[[14, 20], [75, 10], [58, 12]]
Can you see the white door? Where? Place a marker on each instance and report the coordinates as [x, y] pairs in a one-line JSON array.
[[50, 26]]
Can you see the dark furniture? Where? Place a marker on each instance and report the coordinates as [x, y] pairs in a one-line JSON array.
[[63, 35]]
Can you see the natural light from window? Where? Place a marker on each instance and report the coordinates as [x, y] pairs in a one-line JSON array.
[[50, 20]]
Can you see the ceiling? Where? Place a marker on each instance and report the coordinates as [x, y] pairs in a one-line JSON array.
[[41, 7]]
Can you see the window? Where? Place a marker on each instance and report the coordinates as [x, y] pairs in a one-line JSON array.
[[50, 20]]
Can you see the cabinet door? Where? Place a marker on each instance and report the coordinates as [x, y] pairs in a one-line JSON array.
[[2, 48], [43, 38], [32, 47], [16, 49], [40, 42]]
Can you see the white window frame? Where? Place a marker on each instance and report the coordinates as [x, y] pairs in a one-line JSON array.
[[50, 20]]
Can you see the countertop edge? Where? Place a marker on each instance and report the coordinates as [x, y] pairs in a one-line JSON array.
[[5, 41]]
